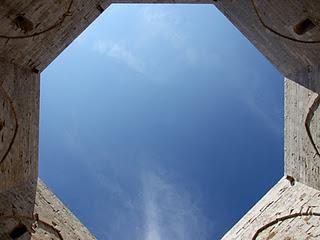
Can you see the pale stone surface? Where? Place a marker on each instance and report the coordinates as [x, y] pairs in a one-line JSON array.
[[302, 134], [19, 114], [290, 212], [35, 207]]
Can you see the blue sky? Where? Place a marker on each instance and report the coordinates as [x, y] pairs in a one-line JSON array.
[[161, 122]]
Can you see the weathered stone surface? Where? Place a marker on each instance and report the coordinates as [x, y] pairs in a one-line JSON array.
[[19, 114], [34, 212], [286, 212], [302, 134]]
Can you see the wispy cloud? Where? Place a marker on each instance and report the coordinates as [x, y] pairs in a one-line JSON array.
[[271, 121], [170, 212], [267, 111], [167, 25], [119, 52]]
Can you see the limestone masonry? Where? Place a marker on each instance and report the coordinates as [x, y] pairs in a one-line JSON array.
[[34, 32]]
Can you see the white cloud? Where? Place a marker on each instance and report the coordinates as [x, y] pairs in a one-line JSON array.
[[170, 213], [119, 52], [167, 25], [270, 121]]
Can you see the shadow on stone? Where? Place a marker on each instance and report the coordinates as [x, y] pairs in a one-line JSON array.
[[17, 212]]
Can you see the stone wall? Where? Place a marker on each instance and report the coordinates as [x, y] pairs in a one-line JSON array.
[[289, 211], [19, 125], [32, 212], [302, 134]]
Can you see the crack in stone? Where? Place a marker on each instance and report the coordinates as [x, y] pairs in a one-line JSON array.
[[312, 109], [281, 219], [8, 99]]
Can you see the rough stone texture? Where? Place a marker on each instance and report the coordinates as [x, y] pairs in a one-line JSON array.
[[38, 51], [285, 212], [43, 216], [19, 114], [302, 134]]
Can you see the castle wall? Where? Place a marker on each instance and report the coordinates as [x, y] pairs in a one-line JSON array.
[[287, 211], [32, 212], [19, 125], [302, 134]]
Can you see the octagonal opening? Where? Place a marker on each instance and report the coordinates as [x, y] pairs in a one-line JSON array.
[[163, 121]]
